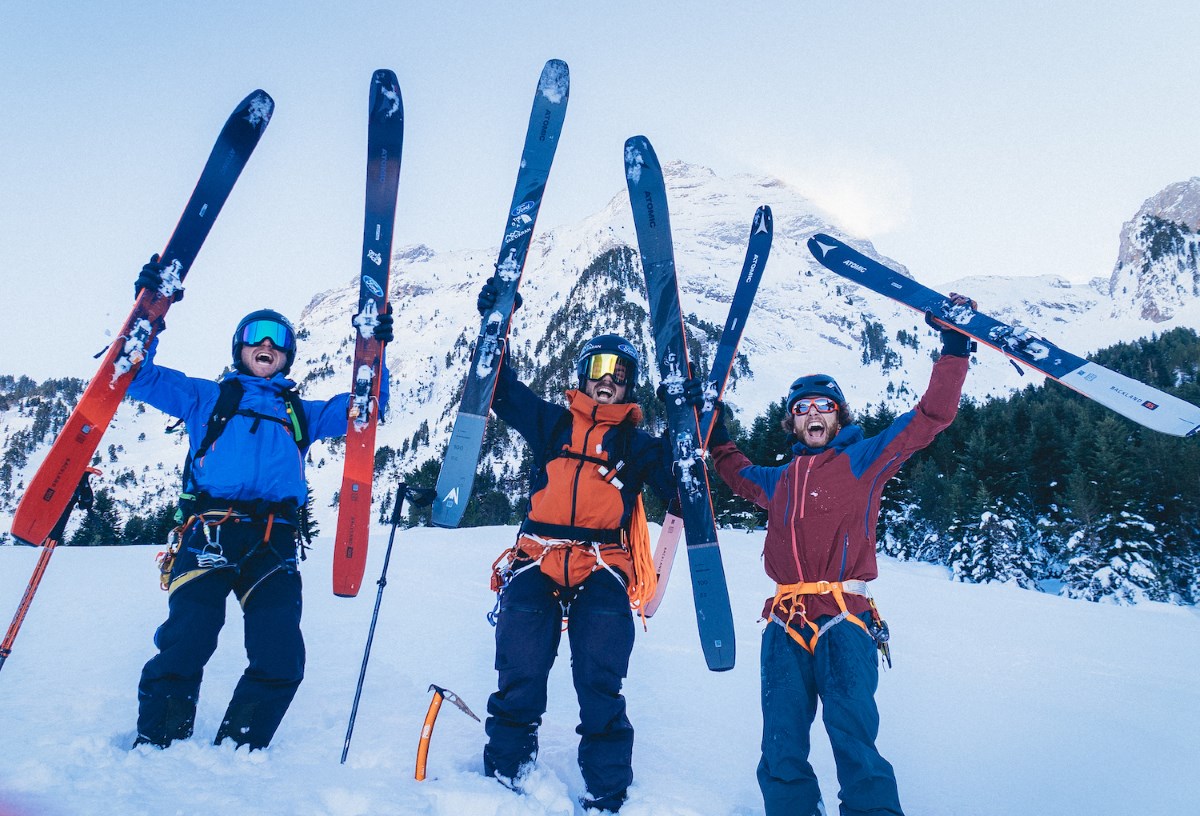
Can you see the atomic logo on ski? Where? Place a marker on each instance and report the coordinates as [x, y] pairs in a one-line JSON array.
[[823, 247]]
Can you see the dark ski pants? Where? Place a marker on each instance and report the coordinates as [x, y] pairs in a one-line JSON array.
[[269, 588], [843, 673], [600, 631]]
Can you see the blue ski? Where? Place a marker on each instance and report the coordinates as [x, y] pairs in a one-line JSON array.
[[1134, 400], [457, 477]]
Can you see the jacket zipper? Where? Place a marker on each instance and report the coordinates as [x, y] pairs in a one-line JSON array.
[[579, 468], [798, 506]]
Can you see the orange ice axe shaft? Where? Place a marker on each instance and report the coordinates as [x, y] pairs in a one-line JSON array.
[[435, 705]]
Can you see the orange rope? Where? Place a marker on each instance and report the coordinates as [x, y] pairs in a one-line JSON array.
[[644, 582]]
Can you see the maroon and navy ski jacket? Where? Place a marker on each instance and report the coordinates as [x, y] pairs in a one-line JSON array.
[[822, 506]]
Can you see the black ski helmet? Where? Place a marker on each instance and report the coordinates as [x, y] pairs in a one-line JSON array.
[[609, 344], [271, 316], [815, 385]]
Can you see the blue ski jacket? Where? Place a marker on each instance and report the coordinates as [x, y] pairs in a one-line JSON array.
[[252, 460]]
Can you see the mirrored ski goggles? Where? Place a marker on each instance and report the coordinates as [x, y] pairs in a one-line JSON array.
[[256, 331], [824, 405], [613, 365]]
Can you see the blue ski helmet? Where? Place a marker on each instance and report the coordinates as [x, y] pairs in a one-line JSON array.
[[265, 324], [815, 385], [605, 348]]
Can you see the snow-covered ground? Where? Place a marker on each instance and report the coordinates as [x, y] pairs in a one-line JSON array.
[[1002, 701]]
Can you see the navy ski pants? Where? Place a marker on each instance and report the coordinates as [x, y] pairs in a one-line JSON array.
[[600, 631], [843, 673], [265, 580]]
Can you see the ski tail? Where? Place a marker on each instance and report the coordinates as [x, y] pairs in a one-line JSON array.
[[82, 498], [385, 141], [51, 487], [457, 476]]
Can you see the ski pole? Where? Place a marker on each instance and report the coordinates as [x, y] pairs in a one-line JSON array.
[[82, 499], [435, 706], [418, 497]]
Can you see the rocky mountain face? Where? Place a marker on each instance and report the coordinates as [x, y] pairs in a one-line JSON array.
[[1158, 266], [585, 279]]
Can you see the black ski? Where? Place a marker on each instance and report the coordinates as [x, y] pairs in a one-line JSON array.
[[648, 198], [759, 247], [457, 477]]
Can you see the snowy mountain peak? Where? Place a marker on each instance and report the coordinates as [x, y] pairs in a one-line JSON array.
[[1157, 269]]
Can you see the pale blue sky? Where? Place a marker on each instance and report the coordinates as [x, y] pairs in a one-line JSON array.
[[962, 138]]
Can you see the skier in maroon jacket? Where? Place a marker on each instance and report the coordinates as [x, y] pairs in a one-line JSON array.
[[823, 629]]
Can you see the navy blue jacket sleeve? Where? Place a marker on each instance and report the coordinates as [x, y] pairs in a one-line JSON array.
[[531, 416]]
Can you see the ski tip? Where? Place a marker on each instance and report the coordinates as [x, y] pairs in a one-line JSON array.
[[639, 153], [763, 221], [555, 82], [259, 106], [385, 96], [820, 245], [384, 76]]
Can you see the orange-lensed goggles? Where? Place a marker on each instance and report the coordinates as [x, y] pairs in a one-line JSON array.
[[824, 405], [598, 366]]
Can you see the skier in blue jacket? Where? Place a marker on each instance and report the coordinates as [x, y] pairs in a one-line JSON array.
[[240, 508]]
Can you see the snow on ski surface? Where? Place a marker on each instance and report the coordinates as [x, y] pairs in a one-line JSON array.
[[1002, 701]]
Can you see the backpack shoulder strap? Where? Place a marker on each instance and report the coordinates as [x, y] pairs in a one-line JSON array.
[[226, 406], [295, 409]]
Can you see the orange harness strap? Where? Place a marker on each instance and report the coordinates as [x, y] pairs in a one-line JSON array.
[[792, 595]]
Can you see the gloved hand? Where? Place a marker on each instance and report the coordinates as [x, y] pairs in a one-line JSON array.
[[488, 294], [693, 391], [151, 277], [384, 329], [954, 342], [719, 434]]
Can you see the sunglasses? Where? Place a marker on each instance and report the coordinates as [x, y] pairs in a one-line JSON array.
[[257, 331], [824, 405], [612, 365]]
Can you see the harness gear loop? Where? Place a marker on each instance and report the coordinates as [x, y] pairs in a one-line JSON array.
[[790, 596], [166, 558], [878, 630]]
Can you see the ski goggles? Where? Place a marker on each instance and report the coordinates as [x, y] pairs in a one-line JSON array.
[[824, 405], [612, 365], [256, 331]]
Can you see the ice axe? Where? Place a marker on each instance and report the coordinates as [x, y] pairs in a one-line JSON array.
[[418, 497], [435, 705]]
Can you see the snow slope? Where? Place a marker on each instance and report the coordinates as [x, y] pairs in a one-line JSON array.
[[1001, 701]]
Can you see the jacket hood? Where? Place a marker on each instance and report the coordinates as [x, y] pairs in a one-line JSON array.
[[845, 438]]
